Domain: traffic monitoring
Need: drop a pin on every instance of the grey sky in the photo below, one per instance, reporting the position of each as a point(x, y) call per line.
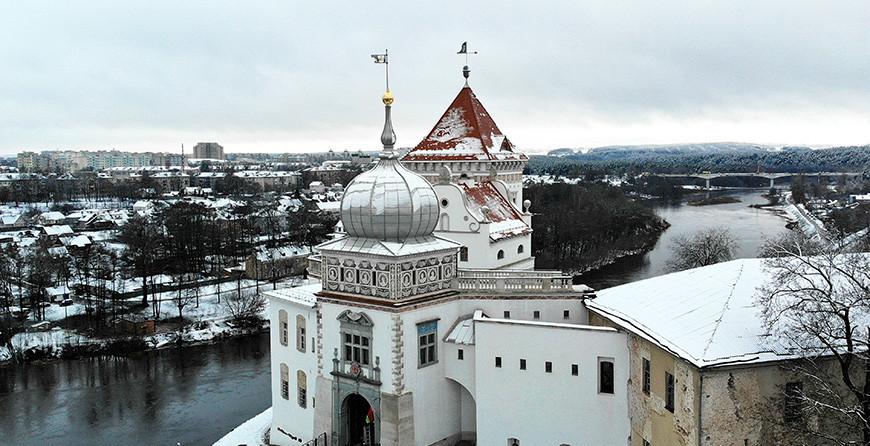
point(296, 76)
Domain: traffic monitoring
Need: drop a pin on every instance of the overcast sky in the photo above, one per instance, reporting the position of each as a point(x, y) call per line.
point(289, 75)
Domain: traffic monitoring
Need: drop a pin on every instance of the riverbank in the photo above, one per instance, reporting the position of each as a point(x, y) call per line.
point(722, 199)
point(207, 320)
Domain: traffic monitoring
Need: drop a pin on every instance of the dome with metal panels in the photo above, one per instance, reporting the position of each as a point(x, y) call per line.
point(389, 202)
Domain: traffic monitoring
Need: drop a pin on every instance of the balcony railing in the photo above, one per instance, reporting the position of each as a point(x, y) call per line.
point(512, 281)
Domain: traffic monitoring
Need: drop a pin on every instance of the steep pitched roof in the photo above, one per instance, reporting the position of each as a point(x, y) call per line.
point(465, 131)
point(505, 220)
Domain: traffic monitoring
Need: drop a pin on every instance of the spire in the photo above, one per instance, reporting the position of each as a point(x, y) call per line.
point(388, 136)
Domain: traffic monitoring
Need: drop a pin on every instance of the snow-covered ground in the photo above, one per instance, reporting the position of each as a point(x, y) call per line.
point(209, 319)
point(250, 433)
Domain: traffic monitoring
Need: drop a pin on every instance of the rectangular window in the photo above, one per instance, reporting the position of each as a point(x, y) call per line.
point(793, 401)
point(646, 376)
point(605, 375)
point(301, 339)
point(536, 314)
point(460, 354)
point(498, 361)
point(669, 392)
point(566, 314)
point(522, 364)
point(302, 397)
point(575, 369)
point(285, 389)
point(507, 314)
point(427, 343)
point(284, 332)
point(356, 348)
point(548, 367)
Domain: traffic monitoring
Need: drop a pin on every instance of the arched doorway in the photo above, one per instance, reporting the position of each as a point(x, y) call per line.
point(358, 421)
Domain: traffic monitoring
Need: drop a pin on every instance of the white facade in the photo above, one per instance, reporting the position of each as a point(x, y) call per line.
point(431, 328)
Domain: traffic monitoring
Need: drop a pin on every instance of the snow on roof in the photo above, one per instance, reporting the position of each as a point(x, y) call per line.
point(369, 246)
point(304, 294)
point(57, 290)
point(11, 219)
point(78, 241)
point(281, 252)
point(465, 132)
point(54, 215)
point(330, 206)
point(57, 230)
point(705, 315)
point(462, 332)
point(505, 220)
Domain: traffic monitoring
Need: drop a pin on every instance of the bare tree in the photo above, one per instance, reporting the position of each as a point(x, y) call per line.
point(817, 307)
point(244, 306)
point(184, 296)
point(702, 248)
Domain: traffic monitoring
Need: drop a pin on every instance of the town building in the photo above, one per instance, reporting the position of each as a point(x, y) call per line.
point(400, 343)
point(208, 150)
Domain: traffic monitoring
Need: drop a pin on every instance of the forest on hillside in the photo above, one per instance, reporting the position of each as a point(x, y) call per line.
point(579, 227)
point(839, 159)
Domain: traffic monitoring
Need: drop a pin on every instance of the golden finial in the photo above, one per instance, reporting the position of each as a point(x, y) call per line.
point(388, 98)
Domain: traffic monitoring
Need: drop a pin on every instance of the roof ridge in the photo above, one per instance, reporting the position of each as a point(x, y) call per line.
point(722, 313)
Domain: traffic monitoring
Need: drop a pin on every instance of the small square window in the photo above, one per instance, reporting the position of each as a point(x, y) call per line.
point(522, 364)
point(548, 367)
point(460, 354)
point(536, 314)
point(575, 369)
point(498, 361)
point(566, 314)
point(507, 314)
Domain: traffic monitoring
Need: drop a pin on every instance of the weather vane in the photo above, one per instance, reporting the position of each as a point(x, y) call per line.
point(384, 59)
point(465, 70)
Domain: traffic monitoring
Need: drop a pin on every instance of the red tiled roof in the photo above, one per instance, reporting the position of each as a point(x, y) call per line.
point(505, 220)
point(465, 131)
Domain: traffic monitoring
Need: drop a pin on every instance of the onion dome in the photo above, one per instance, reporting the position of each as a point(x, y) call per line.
point(389, 202)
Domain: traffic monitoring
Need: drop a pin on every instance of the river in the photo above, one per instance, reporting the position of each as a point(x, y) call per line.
point(193, 396)
point(750, 226)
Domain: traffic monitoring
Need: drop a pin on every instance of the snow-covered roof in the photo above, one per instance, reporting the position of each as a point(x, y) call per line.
point(462, 332)
point(57, 290)
point(78, 241)
point(329, 206)
point(303, 295)
point(391, 249)
point(53, 215)
point(281, 252)
point(505, 220)
point(706, 315)
point(465, 132)
point(57, 230)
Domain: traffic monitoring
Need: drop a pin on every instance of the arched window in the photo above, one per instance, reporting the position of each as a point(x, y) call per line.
point(301, 389)
point(283, 327)
point(500, 254)
point(520, 249)
point(463, 254)
point(285, 382)
point(513, 442)
point(445, 222)
point(300, 333)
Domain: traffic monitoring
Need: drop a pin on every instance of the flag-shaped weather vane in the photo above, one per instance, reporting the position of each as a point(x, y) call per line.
point(384, 59)
point(465, 70)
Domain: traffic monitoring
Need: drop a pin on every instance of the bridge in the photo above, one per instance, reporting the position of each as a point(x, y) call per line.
point(772, 176)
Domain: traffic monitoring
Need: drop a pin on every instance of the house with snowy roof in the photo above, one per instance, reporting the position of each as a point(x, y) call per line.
point(703, 368)
point(277, 262)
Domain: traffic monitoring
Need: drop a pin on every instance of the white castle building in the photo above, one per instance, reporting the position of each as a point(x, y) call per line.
point(429, 325)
